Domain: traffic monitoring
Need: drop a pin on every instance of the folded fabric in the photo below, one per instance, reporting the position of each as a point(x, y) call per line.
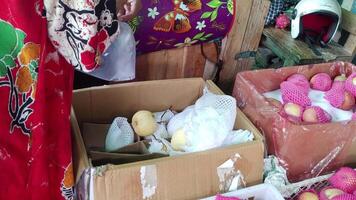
point(174, 24)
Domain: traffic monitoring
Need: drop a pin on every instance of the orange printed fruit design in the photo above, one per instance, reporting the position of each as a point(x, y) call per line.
point(68, 180)
point(33, 93)
point(24, 80)
point(30, 51)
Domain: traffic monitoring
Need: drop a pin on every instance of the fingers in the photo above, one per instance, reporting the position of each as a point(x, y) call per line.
point(120, 13)
point(132, 7)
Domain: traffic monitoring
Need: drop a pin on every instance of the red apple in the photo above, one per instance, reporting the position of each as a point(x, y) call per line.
point(349, 101)
point(315, 114)
point(300, 81)
point(329, 193)
point(345, 197)
point(293, 112)
point(350, 84)
point(308, 196)
point(310, 116)
point(340, 78)
point(321, 81)
point(293, 109)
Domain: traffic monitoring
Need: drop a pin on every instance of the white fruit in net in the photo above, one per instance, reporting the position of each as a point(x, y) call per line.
point(120, 134)
point(179, 140)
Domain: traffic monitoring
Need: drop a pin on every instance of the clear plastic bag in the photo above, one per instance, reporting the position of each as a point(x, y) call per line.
point(305, 151)
point(118, 62)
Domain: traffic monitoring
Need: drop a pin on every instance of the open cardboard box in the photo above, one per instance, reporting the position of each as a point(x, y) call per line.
point(188, 176)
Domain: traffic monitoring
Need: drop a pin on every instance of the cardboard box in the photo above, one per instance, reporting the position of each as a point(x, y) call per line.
point(305, 151)
point(188, 176)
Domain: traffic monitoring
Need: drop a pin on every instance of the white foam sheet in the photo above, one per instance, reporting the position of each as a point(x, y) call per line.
point(317, 98)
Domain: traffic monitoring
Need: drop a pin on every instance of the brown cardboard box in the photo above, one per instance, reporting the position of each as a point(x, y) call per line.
point(189, 176)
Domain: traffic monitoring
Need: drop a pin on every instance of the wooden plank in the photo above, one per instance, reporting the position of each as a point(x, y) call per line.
point(173, 63)
point(253, 32)
point(234, 42)
point(334, 51)
point(148, 66)
point(295, 51)
point(285, 47)
point(348, 21)
point(350, 44)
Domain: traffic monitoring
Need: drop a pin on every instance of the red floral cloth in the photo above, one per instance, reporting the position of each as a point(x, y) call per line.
point(35, 92)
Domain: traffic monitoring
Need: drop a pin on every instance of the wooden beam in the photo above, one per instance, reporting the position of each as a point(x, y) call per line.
point(244, 36)
point(350, 44)
point(348, 21)
point(253, 32)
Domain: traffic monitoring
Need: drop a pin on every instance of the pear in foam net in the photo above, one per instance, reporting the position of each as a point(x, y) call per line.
point(144, 123)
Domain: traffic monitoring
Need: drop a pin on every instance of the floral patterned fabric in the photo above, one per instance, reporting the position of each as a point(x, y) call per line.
point(164, 24)
point(82, 30)
point(36, 89)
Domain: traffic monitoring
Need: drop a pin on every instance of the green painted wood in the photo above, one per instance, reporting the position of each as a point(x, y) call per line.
point(294, 52)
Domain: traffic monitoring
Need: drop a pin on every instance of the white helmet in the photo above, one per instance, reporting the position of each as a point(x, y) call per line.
point(316, 18)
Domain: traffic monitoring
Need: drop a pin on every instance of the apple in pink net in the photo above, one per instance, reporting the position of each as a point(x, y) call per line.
point(315, 114)
point(321, 81)
point(344, 179)
point(339, 98)
point(350, 84)
point(293, 112)
point(308, 196)
point(340, 78)
point(329, 193)
point(300, 81)
point(349, 101)
point(345, 197)
point(220, 197)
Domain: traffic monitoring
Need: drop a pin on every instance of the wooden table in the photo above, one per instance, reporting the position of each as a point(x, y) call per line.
point(296, 52)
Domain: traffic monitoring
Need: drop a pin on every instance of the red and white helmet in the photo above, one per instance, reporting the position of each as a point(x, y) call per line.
point(316, 18)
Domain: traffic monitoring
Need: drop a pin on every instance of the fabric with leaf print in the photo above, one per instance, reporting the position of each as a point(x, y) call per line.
point(35, 92)
point(165, 24)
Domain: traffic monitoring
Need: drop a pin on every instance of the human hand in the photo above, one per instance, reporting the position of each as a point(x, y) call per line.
point(127, 9)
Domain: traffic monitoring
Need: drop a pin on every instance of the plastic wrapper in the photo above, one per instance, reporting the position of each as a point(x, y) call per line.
point(118, 62)
point(206, 124)
point(305, 151)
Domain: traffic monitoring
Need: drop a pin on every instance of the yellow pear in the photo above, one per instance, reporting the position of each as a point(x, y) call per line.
point(178, 140)
point(144, 123)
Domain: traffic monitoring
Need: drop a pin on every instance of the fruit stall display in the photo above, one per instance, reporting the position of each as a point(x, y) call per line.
point(306, 114)
point(340, 185)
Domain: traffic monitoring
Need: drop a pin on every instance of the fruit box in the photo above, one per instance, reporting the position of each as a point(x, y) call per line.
point(304, 150)
point(188, 176)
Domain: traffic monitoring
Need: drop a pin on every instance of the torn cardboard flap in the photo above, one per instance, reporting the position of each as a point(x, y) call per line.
point(230, 177)
point(148, 181)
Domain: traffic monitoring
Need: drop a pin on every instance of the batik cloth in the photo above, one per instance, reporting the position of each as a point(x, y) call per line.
point(36, 89)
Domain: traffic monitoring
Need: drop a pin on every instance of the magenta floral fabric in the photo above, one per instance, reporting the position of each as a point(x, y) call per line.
point(165, 24)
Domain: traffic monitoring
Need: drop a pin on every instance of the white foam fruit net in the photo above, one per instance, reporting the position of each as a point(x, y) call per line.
point(207, 123)
point(120, 134)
